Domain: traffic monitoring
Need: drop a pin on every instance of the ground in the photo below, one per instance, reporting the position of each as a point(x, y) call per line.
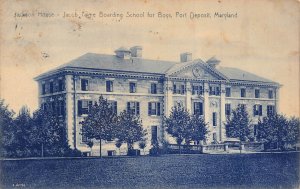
point(273, 170)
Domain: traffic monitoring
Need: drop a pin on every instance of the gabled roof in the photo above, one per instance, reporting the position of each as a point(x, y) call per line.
point(241, 75)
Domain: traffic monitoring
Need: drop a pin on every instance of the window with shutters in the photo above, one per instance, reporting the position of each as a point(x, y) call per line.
point(270, 95)
point(154, 108)
point(214, 90)
point(109, 86)
point(132, 87)
point(51, 87)
point(257, 110)
point(197, 90)
point(84, 106)
point(84, 84)
point(133, 108)
point(198, 108)
point(114, 105)
point(214, 119)
point(270, 110)
point(228, 92)
point(44, 106)
point(153, 88)
point(178, 89)
point(227, 109)
point(257, 93)
point(243, 92)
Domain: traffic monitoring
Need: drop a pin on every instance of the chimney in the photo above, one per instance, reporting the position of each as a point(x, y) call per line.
point(213, 62)
point(123, 52)
point(185, 57)
point(136, 51)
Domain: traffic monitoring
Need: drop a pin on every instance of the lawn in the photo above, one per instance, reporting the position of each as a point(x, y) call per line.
point(169, 171)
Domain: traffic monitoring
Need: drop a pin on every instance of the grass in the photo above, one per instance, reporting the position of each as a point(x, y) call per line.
point(169, 171)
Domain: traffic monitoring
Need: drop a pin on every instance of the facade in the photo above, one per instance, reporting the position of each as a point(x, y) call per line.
point(150, 88)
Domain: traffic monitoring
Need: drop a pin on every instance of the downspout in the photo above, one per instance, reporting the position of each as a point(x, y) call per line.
point(74, 110)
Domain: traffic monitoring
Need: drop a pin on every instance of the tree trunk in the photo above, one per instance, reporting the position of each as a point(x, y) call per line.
point(179, 148)
point(42, 149)
point(100, 146)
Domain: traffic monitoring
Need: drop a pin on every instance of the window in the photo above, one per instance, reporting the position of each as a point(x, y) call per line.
point(257, 93)
point(43, 88)
point(84, 139)
point(83, 106)
point(153, 134)
point(51, 86)
point(84, 84)
point(243, 92)
point(114, 105)
point(133, 107)
point(198, 108)
point(153, 88)
point(197, 90)
point(178, 89)
point(243, 106)
point(154, 108)
point(60, 85)
point(270, 94)
point(109, 86)
point(270, 110)
point(214, 119)
point(61, 108)
point(132, 87)
point(228, 92)
point(227, 109)
point(257, 110)
point(44, 106)
point(214, 90)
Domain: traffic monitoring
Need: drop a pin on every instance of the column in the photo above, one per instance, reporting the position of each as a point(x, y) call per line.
point(206, 103)
point(69, 110)
point(222, 134)
point(168, 102)
point(188, 98)
point(276, 91)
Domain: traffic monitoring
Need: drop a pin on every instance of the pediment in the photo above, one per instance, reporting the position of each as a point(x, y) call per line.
point(195, 71)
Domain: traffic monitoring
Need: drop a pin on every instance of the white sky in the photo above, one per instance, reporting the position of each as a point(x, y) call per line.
point(263, 39)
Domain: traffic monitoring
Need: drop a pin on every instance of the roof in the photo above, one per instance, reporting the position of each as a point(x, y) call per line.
point(114, 63)
point(237, 74)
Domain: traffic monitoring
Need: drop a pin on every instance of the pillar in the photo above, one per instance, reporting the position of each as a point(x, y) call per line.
point(222, 131)
point(188, 97)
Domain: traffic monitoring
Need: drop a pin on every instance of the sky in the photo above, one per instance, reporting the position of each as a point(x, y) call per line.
point(261, 37)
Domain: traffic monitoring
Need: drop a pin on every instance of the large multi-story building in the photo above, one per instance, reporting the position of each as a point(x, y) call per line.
point(150, 88)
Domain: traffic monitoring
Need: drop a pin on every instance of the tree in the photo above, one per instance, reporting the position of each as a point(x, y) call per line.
point(118, 144)
point(238, 125)
point(90, 144)
point(292, 131)
point(22, 130)
point(277, 129)
point(198, 128)
point(6, 130)
point(49, 135)
point(177, 124)
point(142, 145)
point(100, 122)
point(129, 129)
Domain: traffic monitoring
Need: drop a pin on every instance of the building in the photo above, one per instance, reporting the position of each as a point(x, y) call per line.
point(150, 88)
